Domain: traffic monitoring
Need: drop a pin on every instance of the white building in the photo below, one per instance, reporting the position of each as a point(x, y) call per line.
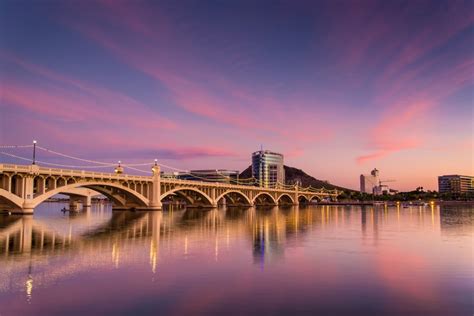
point(369, 183)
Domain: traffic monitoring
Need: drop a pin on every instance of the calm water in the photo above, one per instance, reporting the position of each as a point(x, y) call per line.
point(281, 261)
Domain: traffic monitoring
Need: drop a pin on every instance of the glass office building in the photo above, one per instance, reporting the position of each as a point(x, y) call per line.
point(267, 168)
point(456, 184)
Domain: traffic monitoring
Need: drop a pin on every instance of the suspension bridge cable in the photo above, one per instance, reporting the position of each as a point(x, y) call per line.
point(51, 163)
point(136, 169)
point(15, 146)
point(72, 157)
point(101, 162)
point(15, 156)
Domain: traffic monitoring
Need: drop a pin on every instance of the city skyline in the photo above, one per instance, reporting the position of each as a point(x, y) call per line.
point(337, 87)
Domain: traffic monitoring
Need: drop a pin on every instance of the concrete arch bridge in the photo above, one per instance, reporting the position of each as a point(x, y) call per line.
point(24, 187)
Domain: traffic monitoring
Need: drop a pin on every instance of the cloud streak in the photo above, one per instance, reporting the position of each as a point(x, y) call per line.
point(80, 101)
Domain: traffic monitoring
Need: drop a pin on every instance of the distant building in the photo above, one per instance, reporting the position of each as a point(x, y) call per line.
point(368, 183)
point(268, 168)
point(169, 175)
point(382, 189)
point(393, 192)
point(456, 184)
point(211, 175)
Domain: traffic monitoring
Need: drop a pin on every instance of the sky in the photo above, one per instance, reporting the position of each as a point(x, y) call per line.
point(338, 87)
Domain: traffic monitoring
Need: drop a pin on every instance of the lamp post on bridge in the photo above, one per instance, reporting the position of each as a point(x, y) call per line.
point(155, 168)
point(119, 168)
point(34, 152)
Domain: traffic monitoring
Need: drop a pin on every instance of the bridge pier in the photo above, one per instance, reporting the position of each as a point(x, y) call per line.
point(27, 234)
point(155, 201)
point(157, 207)
point(23, 211)
point(74, 200)
point(26, 190)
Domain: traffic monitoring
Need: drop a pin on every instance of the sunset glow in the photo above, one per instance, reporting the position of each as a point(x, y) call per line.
point(338, 87)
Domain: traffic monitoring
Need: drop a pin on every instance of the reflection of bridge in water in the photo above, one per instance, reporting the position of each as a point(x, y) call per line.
point(30, 246)
point(27, 244)
point(20, 235)
point(24, 187)
point(27, 235)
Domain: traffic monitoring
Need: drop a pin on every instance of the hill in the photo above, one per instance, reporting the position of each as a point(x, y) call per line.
point(292, 175)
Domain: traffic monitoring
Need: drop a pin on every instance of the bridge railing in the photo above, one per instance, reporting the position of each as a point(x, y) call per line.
point(10, 167)
point(308, 190)
point(82, 173)
point(219, 185)
point(69, 172)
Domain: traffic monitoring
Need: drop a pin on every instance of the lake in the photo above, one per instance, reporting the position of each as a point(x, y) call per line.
point(327, 260)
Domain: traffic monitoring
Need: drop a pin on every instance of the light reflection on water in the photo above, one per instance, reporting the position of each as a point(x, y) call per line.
point(326, 259)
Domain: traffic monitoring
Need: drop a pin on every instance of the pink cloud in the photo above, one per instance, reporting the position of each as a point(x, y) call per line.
point(38, 101)
point(407, 103)
point(428, 39)
point(188, 85)
point(111, 146)
point(396, 131)
point(87, 102)
point(403, 81)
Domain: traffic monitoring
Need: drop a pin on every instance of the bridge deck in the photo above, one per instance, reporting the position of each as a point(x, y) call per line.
point(26, 186)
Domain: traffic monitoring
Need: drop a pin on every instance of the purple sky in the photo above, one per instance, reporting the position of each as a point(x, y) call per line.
point(338, 87)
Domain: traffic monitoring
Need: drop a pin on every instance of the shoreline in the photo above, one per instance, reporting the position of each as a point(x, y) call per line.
point(395, 203)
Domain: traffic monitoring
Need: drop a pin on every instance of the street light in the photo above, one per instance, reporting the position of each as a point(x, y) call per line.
point(119, 168)
point(155, 169)
point(34, 152)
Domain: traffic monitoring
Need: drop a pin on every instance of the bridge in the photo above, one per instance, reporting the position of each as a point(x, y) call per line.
point(24, 187)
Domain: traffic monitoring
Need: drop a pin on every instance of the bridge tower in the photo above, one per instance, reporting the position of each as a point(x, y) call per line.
point(155, 201)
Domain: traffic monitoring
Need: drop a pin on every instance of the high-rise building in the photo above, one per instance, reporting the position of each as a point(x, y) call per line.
point(369, 182)
point(268, 168)
point(456, 184)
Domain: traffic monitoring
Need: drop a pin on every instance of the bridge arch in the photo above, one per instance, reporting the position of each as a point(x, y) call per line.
point(303, 199)
point(101, 187)
point(49, 183)
point(181, 194)
point(265, 194)
point(317, 198)
point(11, 198)
point(15, 182)
point(61, 181)
point(287, 197)
point(247, 199)
point(179, 190)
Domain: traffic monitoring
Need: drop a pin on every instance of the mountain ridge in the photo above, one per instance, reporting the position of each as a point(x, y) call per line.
point(292, 175)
